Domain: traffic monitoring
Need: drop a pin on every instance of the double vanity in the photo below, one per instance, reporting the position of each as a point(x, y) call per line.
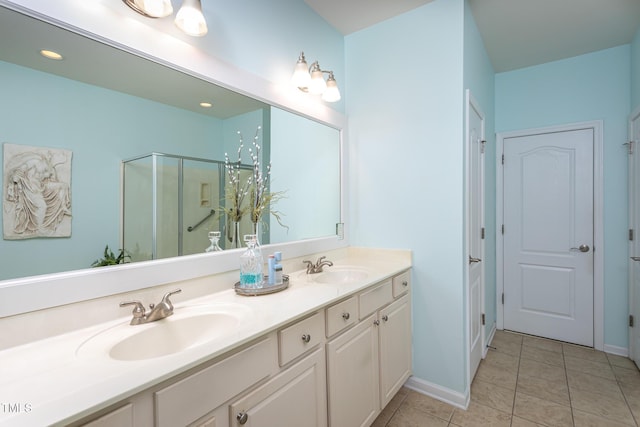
point(331, 349)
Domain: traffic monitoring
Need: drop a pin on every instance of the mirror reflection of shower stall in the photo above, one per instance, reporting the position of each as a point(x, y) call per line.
point(171, 203)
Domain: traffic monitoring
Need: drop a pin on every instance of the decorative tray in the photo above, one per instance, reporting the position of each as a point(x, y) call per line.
point(266, 289)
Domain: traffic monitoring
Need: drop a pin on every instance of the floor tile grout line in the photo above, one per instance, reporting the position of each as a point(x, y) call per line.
point(624, 396)
point(566, 378)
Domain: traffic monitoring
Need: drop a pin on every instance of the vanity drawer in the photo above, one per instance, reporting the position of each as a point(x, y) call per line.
point(300, 337)
point(401, 283)
point(374, 298)
point(341, 315)
point(187, 400)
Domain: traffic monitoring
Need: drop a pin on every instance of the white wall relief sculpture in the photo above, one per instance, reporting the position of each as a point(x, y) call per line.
point(37, 192)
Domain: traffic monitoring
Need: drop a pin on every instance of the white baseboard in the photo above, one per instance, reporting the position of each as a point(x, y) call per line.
point(438, 392)
point(618, 351)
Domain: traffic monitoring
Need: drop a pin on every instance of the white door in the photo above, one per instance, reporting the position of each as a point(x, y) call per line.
point(548, 215)
point(634, 217)
point(475, 224)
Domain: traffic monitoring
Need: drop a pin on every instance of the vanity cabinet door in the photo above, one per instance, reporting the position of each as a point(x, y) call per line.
point(352, 364)
point(295, 397)
point(122, 417)
point(395, 347)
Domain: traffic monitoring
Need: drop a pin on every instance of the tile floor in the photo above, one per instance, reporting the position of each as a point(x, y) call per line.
point(528, 381)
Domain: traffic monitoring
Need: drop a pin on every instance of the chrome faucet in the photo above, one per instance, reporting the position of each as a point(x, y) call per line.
point(317, 267)
point(163, 309)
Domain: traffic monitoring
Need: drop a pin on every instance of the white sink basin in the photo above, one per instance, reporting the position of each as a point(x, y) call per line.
point(186, 328)
point(341, 275)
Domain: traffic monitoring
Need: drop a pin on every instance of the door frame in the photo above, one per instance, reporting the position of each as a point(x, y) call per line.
point(598, 220)
point(636, 227)
point(472, 104)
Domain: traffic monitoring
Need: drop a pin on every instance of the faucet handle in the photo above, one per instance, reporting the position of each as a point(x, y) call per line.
point(320, 260)
point(165, 298)
point(138, 310)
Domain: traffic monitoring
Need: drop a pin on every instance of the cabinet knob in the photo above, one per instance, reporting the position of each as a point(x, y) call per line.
point(345, 316)
point(242, 417)
point(376, 322)
point(385, 318)
point(306, 338)
point(405, 283)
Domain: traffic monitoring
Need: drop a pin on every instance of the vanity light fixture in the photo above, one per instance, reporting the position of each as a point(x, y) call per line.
point(311, 79)
point(189, 18)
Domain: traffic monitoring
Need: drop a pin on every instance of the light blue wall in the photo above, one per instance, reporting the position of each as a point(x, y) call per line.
point(594, 86)
point(479, 78)
point(101, 127)
point(635, 71)
point(404, 101)
point(266, 37)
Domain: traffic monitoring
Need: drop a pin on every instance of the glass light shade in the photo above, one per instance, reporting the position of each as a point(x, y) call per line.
point(331, 93)
point(317, 85)
point(301, 77)
point(154, 8)
point(190, 18)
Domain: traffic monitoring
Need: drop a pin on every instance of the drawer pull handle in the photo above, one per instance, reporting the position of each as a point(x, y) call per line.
point(385, 318)
point(405, 283)
point(242, 417)
point(345, 316)
point(376, 322)
point(306, 338)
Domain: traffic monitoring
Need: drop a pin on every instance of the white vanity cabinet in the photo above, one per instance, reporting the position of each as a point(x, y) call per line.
point(337, 366)
point(367, 364)
point(295, 397)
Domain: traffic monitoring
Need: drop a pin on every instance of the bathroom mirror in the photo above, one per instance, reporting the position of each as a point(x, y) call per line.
point(106, 105)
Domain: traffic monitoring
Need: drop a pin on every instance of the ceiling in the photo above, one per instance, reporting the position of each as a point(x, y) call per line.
point(516, 33)
point(96, 63)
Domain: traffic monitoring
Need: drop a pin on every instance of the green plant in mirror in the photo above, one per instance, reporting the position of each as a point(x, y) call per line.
point(109, 258)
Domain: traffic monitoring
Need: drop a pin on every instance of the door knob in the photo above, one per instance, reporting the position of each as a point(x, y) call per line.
point(472, 259)
point(582, 248)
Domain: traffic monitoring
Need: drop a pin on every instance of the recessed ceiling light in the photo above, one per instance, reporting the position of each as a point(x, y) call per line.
point(206, 104)
point(51, 54)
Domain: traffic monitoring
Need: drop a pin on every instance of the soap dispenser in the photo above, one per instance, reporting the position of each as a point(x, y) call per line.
point(251, 264)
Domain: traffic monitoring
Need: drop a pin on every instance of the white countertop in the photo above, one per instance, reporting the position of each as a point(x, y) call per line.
point(50, 381)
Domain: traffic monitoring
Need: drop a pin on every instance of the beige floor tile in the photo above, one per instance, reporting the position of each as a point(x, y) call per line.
point(410, 416)
point(594, 368)
point(592, 383)
point(521, 422)
point(502, 360)
point(508, 336)
point(496, 375)
point(493, 396)
point(542, 411)
point(543, 343)
point(582, 352)
point(613, 408)
point(624, 375)
point(632, 396)
point(585, 419)
point(542, 355)
point(553, 390)
point(480, 415)
point(428, 405)
point(391, 408)
point(532, 368)
point(621, 361)
point(507, 347)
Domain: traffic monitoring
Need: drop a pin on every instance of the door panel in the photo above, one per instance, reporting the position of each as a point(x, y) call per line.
point(548, 215)
point(634, 204)
point(475, 221)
